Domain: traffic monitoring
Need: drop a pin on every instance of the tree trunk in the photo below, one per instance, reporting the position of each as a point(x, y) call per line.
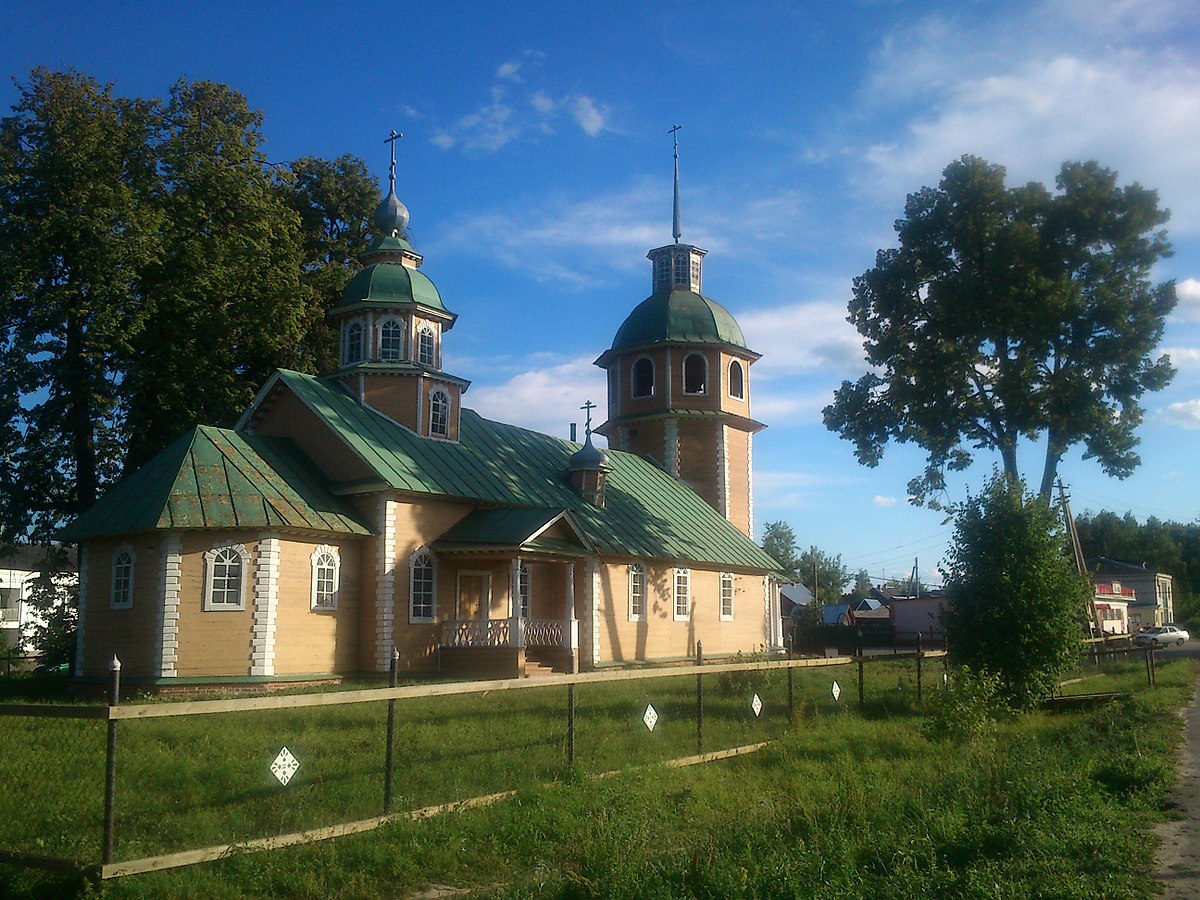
point(1054, 452)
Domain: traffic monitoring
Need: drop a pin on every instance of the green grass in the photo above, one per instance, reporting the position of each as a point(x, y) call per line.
point(840, 805)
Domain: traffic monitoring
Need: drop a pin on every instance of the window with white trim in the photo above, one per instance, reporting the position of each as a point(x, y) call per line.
point(122, 578)
point(354, 343)
point(643, 377)
point(637, 592)
point(426, 350)
point(737, 381)
point(422, 586)
point(391, 341)
point(683, 594)
point(439, 413)
point(681, 269)
point(523, 588)
point(326, 575)
point(662, 272)
point(726, 596)
point(225, 570)
point(695, 374)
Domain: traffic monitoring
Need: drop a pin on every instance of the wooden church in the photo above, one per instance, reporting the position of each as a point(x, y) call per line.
point(367, 512)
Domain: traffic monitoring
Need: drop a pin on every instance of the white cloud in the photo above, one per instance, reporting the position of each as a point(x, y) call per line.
point(803, 337)
point(1188, 292)
point(1185, 414)
point(510, 71)
point(543, 103)
point(1184, 357)
point(588, 116)
point(880, 500)
point(1034, 93)
point(546, 399)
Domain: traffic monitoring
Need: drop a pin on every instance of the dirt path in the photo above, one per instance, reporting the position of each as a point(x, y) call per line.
point(1179, 853)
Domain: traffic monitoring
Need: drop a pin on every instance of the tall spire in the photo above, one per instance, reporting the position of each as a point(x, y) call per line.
point(676, 229)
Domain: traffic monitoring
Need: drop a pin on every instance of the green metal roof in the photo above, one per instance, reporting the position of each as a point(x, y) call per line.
point(682, 316)
point(647, 513)
point(519, 528)
point(217, 478)
point(391, 284)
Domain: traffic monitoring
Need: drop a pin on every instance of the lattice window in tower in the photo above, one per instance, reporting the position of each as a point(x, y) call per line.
point(662, 272)
point(726, 596)
point(637, 592)
point(354, 343)
point(391, 341)
point(681, 269)
point(426, 351)
point(696, 275)
point(439, 414)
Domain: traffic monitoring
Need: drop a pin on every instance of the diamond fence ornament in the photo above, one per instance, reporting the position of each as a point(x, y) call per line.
point(756, 705)
point(837, 691)
point(285, 766)
point(650, 717)
point(900, 684)
point(945, 681)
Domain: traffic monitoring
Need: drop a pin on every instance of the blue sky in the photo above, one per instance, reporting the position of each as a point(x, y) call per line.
point(537, 167)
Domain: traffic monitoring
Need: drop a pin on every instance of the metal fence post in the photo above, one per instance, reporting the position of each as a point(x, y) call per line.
point(1153, 664)
point(391, 735)
point(110, 767)
point(862, 703)
point(570, 724)
point(699, 699)
point(920, 656)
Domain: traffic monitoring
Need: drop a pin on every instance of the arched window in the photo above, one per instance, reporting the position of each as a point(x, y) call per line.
point(422, 587)
point(637, 592)
point(695, 374)
point(354, 343)
point(425, 346)
point(681, 269)
point(737, 381)
point(439, 413)
point(122, 579)
point(643, 377)
point(523, 588)
point(391, 341)
point(224, 577)
point(326, 572)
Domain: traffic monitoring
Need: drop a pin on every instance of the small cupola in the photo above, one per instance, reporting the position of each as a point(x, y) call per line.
point(589, 466)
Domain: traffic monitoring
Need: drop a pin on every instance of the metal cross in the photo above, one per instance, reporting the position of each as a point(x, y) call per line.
point(588, 407)
point(395, 136)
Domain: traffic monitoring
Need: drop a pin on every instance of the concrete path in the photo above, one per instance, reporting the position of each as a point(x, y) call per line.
point(1179, 853)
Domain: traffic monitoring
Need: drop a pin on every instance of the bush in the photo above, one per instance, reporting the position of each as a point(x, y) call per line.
point(743, 683)
point(967, 710)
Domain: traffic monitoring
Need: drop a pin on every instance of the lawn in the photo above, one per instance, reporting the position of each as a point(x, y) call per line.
point(838, 805)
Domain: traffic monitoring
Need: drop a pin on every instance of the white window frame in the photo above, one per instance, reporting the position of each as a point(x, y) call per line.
point(426, 337)
point(122, 584)
point(741, 394)
point(704, 377)
point(439, 397)
point(682, 595)
point(427, 554)
point(210, 564)
point(726, 596)
point(335, 563)
point(637, 592)
point(633, 378)
point(392, 329)
point(680, 269)
point(354, 347)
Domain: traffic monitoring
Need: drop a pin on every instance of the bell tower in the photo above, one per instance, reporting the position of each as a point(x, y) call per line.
point(679, 382)
point(390, 325)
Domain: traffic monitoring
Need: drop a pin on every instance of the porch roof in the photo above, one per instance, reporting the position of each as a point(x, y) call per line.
point(515, 530)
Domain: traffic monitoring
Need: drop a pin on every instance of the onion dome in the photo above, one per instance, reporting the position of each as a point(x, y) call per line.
point(678, 316)
point(391, 216)
point(588, 457)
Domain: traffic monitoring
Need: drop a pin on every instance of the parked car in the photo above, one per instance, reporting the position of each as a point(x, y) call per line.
point(1162, 634)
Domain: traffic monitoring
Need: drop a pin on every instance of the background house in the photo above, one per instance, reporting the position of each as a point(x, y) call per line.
point(1152, 601)
point(19, 566)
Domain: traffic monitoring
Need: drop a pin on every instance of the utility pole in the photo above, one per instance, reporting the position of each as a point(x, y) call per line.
point(1064, 501)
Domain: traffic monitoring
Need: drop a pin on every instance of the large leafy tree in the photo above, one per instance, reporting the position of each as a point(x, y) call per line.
point(822, 573)
point(1008, 314)
point(156, 267)
point(79, 225)
point(1016, 600)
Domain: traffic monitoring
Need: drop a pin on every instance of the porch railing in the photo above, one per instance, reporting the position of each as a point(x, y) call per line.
point(502, 633)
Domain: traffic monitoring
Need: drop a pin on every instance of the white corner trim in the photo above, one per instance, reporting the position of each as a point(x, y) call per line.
point(168, 607)
point(385, 586)
point(723, 470)
point(750, 485)
point(266, 607)
point(594, 606)
point(81, 620)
